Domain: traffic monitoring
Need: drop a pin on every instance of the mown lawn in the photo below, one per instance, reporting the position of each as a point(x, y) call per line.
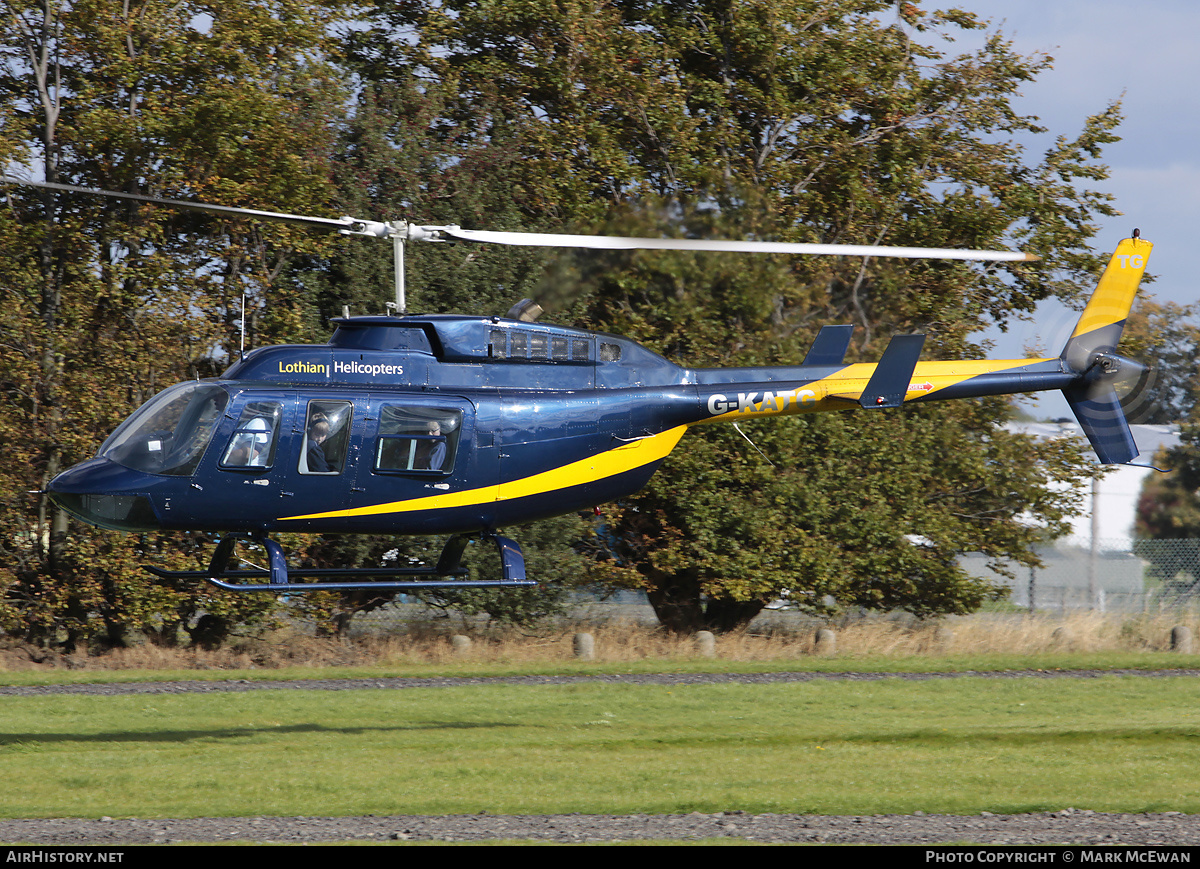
point(960, 745)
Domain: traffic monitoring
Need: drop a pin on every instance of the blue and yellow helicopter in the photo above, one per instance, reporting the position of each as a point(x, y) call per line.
point(463, 425)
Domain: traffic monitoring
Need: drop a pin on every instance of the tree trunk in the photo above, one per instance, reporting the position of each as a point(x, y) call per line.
point(682, 608)
point(723, 615)
point(676, 601)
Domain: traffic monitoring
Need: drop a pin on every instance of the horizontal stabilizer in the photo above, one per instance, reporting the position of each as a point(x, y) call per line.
point(1098, 410)
point(893, 373)
point(830, 346)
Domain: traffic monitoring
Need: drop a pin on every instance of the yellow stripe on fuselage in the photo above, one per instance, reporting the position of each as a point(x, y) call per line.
point(847, 385)
point(610, 463)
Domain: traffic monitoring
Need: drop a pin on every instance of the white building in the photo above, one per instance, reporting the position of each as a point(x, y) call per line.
point(1094, 566)
point(1110, 503)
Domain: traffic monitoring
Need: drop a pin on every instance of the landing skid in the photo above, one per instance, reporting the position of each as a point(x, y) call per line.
point(280, 579)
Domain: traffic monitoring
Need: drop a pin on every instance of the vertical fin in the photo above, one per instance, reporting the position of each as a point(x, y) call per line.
point(830, 346)
point(1091, 352)
point(1103, 320)
point(1099, 413)
point(893, 373)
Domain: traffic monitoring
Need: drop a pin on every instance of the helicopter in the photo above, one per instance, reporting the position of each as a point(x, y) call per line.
point(463, 425)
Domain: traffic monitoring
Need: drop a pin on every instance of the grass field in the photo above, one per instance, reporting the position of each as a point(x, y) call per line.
point(962, 745)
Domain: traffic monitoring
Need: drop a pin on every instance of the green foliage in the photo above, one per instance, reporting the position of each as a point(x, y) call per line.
point(870, 514)
point(806, 120)
point(1167, 527)
point(100, 593)
point(105, 304)
point(1167, 524)
point(554, 556)
point(1169, 507)
point(1165, 337)
point(797, 121)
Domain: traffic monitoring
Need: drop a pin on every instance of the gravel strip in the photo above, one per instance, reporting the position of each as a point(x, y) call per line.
point(199, 686)
point(1068, 827)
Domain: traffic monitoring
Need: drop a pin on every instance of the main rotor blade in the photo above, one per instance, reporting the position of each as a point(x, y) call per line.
point(606, 242)
point(344, 224)
point(412, 232)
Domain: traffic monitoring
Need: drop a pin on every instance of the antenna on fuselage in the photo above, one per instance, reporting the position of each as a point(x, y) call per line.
point(753, 444)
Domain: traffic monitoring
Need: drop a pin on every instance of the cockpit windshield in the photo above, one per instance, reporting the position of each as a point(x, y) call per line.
point(169, 433)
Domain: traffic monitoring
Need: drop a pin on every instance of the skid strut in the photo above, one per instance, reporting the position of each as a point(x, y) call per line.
point(280, 579)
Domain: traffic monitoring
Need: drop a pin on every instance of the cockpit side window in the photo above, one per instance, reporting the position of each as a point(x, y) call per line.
point(256, 436)
point(326, 437)
point(169, 433)
point(417, 439)
point(610, 352)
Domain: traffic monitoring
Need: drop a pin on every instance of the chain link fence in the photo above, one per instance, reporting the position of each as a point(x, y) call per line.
point(1118, 576)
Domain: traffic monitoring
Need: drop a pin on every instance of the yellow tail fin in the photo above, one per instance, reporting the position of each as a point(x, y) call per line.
point(1099, 328)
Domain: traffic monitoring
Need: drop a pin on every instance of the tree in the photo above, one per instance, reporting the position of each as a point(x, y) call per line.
point(1167, 527)
point(403, 155)
point(810, 121)
point(104, 303)
point(798, 121)
point(1165, 338)
point(870, 513)
point(554, 554)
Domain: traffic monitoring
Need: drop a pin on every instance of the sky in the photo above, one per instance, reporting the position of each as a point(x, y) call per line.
point(1145, 55)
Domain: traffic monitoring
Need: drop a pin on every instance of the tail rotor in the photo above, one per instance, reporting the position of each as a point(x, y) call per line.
point(1109, 386)
point(1137, 391)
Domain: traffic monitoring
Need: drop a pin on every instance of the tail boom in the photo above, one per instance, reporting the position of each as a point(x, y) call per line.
point(1086, 371)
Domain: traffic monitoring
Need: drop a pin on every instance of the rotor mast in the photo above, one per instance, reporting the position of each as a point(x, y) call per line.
point(400, 232)
point(398, 265)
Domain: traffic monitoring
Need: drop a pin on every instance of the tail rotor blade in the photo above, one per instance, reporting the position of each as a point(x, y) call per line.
point(1136, 389)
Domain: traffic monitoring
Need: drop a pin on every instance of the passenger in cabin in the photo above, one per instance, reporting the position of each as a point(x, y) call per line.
point(261, 442)
point(251, 445)
point(437, 454)
point(318, 433)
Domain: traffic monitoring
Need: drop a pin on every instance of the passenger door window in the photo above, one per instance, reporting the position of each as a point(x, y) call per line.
point(256, 436)
point(417, 439)
point(326, 437)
